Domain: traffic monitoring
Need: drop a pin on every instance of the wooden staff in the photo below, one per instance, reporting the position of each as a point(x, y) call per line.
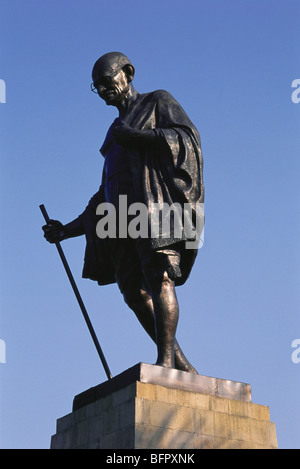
point(79, 299)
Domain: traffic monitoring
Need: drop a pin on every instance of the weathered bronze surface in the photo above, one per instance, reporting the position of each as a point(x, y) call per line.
point(152, 156)
point(169, 378)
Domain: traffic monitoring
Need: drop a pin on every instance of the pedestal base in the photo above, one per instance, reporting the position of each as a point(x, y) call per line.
point(153, 407)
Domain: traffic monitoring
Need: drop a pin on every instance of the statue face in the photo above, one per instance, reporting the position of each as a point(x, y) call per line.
point(113, 88)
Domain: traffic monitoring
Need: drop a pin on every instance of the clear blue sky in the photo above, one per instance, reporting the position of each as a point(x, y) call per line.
point(230, 64)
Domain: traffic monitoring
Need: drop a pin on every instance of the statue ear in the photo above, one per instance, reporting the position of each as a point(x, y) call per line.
point(129, 70)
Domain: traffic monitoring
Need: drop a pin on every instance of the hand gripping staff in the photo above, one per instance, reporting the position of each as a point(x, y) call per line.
point(79, 299)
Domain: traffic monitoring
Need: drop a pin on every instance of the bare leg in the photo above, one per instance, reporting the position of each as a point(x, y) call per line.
point(142, 306)
point(166, 313)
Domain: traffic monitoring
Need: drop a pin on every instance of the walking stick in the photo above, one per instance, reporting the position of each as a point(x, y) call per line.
point(79, 299)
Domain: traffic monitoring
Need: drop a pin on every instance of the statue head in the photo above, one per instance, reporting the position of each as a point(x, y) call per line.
point(110, 63)
point(112, 73)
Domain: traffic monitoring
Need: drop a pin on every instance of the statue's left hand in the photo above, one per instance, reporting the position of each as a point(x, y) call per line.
point(123, 133)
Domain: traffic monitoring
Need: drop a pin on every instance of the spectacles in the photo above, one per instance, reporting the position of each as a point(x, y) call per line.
point(94, 89)
point(95, 86)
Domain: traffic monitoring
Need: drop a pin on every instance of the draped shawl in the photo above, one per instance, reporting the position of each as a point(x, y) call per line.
point(170, 171)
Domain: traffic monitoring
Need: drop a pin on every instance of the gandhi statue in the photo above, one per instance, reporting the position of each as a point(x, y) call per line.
point(152, 154)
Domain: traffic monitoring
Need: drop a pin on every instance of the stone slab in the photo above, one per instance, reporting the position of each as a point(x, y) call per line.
point(151, 416)
point(167, 377)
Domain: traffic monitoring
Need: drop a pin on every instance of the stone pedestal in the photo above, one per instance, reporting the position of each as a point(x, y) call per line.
point(151, 407)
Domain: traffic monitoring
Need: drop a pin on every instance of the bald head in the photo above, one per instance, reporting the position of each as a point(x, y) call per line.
point(110, 63)
point(112, 75)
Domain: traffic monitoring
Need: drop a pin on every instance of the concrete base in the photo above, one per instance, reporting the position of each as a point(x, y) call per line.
point(158, 408)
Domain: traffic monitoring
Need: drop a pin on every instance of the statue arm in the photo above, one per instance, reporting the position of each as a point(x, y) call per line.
point(73, 229)
point(170, 118)
point(126, 135)
point(55, 231)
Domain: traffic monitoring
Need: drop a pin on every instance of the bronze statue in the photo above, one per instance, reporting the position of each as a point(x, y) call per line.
point(152, 156)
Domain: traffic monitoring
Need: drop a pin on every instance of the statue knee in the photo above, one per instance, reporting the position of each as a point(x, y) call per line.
point(135, 298)
point(156, 276)
point(161, 270)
